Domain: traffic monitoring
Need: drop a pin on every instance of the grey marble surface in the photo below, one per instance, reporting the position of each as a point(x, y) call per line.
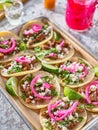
point(9, 119)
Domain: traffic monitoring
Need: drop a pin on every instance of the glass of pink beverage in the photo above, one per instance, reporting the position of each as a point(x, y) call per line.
point(79, 13)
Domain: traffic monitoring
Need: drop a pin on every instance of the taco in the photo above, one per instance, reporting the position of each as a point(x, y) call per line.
point(21, 65)
point(90, 93)
point(63, 115)
point(76, 72)
point(54, 52)
point(38, 89)
point(10, 45)
point(35, 33)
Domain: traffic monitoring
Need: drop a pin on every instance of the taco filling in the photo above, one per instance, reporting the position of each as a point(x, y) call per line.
point(53, 50)
point(20, 64)
point(74, 72)
point(37, 33)
point(90, 93)
point(64, 114)
point(10, 47)
point(37, 89)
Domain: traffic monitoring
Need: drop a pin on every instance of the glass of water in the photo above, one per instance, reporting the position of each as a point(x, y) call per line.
point(14, 12)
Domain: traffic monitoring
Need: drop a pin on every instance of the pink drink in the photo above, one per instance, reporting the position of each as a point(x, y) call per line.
point(79, 13)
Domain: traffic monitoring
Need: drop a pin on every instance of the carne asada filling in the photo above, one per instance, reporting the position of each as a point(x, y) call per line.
point(73, 72)
point(41, 90)
point(68, 123)
point(5, 45)
point(17, 65)
point(53, 50)
point(31, 36)
point(90, 93)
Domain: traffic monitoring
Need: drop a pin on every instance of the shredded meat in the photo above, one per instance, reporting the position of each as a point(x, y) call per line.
point(40, 37)
point(55, 56)
point(7, 65)
point(38, 99)
point(45, 47)
point(25, 68)
point(27, 100)
point(93, 96)
point(44, 114)
point(1, 55)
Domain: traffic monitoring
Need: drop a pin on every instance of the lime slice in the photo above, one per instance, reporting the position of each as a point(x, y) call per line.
point(72, 94)
point(11, 86)
point(56, 36)
point(50, 68)
point(96, 71)
point(8, 3)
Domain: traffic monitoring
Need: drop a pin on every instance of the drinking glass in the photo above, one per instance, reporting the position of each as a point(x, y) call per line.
point(79, 14)
point(14, 12)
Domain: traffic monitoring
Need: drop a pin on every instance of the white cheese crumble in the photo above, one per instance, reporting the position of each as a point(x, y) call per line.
point(65, 99)
point(31, 97)
point(33, 101)
point(93, 87)
point(39, 80)
point(70, 117)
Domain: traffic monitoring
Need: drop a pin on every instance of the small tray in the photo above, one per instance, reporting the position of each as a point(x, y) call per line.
point(2, 14)
point(32, 116)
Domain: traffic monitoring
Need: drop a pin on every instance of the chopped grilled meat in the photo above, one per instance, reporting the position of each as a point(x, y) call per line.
point(1, 55)
point(25, 68)
point(40, 37)
point(44, 114)
point(38, 99)
point(45, 47)
point(55, 56)
point(93, 96)
point(7, 65)
point(28, 100)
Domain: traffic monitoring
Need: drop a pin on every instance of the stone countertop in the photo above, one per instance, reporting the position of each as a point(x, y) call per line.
point(9, 118)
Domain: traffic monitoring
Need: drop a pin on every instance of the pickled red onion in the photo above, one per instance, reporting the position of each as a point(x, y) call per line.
point(9, 49)
point(73, 108)
point(50, 107)
point(71, 69)
point(87, 92)
point(51, 54)
point(34, 92)
point(36, 28)
point(61, 114)
point(28, 32)
point(5, 42)
point(61, 44)
point(84, 71)
point(46, 85)
point(22, 59)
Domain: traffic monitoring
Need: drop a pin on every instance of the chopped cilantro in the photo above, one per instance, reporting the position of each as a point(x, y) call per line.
point(54, 93)
point(48, 125)
point(22, 46)
point(3, 46)
point(29, 78)
point(90, 106)
point(23, 96)
point(80, 118)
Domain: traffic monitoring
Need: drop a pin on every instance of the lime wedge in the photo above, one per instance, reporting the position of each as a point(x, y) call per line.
point(96, 71)
point(56, 36)
point(11, 86)
point(8, 3)
point(50, 68)
point(71, 94)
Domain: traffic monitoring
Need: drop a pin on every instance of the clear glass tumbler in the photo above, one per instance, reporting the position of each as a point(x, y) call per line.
point(14, 12)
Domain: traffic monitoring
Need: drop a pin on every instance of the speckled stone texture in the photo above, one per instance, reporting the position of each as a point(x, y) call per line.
point(9, 119)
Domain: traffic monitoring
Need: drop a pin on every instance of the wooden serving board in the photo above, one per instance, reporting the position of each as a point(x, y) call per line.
point(2, 14)
point(32, 116)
